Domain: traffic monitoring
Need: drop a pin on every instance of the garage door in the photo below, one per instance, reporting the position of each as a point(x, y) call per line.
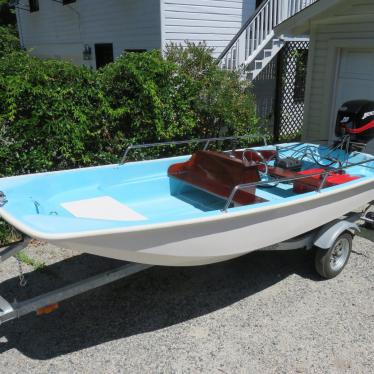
point(355, 77)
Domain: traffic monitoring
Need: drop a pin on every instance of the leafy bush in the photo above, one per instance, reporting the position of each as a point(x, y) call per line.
point(48, 115)
point(7, 15)
point(56, 115)
point(9, 41)
point(221, 100)
point(148, 100)
point(184, 95)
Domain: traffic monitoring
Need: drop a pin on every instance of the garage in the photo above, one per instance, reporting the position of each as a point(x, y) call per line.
point(355, 79)
point(341, 60)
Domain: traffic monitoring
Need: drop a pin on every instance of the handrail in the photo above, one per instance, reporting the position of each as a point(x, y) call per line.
point(207, 142)
point(241, 30)
point(325, 174)
point(257, 31)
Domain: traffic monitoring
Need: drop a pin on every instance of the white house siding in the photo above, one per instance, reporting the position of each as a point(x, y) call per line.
point(62, 31)
point(355, 30)
point(214, 22)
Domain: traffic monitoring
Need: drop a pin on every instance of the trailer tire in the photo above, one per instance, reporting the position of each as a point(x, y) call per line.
point(330, 262)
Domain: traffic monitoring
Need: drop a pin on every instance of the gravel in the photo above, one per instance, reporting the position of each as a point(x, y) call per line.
point(262, 313)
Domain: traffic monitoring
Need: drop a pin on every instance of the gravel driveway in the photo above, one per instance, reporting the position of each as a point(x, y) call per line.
point(262, 313)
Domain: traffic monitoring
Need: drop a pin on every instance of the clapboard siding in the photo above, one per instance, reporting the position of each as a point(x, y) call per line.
point(62, 31)
point(321, 81)
point(214, 22)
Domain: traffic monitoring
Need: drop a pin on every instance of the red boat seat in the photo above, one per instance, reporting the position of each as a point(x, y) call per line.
point(312, 183)
point(218, 173)
point(333, 179)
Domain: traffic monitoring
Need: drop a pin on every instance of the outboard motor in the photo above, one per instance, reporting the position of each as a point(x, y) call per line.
point(356, 118)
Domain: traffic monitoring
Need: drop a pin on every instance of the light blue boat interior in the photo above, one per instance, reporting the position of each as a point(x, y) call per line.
point(36, 200)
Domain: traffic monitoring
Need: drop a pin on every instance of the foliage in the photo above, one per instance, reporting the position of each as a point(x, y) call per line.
point(27, 260)
point(9, 41)
point(222, 101)
point(7, 234)
point(48, 115)
point(7, 15)
point(148, 100)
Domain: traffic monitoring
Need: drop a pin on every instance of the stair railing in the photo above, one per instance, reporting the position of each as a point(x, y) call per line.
point(258, 31)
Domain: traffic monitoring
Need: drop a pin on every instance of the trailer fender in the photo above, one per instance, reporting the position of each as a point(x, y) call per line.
point(328, 234)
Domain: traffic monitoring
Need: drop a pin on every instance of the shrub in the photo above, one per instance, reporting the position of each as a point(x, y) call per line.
point(7, 15)
point(50, 113)
point(148, 100)
point(9, 41)
point(55, 115)
point(221, 100)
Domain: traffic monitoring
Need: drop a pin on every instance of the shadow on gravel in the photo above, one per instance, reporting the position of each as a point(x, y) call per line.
point(367, 234)
point(151, 300)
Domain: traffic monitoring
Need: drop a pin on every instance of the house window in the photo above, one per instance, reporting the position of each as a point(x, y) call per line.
point(301, 56)
point(65, 2)
point(33, 5)
point(104, 54)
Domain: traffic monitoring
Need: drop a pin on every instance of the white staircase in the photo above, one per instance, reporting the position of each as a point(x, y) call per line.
point(254, 46)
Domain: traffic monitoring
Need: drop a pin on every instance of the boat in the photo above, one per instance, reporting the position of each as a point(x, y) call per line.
point(196, 209)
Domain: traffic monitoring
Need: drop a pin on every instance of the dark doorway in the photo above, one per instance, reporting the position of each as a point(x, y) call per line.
point(104, 54)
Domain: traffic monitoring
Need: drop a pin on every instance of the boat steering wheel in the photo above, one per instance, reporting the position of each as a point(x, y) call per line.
point(257, 162)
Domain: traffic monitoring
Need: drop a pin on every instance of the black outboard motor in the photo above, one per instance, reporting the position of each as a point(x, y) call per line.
point(356, 118)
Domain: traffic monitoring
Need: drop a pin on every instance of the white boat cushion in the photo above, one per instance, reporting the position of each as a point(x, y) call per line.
point(103, 207)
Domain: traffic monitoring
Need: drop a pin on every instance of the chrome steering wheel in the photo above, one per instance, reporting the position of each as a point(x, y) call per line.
point(259, 155)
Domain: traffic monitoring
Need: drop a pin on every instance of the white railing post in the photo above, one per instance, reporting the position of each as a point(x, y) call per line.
point(242, 48)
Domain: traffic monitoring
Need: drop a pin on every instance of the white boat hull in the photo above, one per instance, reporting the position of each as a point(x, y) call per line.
point(206, 241)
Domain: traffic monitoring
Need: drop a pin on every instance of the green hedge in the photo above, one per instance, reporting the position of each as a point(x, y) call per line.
point(55, 115)
point(9, 41)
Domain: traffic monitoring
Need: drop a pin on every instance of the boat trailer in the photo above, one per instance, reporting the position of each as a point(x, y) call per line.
point(323, 239)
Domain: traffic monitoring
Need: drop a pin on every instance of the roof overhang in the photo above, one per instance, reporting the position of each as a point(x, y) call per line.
point(300, 23)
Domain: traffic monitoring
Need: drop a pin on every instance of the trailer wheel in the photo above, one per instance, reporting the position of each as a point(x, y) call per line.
point(330, 263)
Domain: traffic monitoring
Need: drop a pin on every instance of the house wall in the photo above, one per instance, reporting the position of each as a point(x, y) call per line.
point(62, 31)
point(349, 26)
point(212, 21)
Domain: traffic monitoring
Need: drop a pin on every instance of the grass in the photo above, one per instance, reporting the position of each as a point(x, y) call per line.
point(26, 259)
